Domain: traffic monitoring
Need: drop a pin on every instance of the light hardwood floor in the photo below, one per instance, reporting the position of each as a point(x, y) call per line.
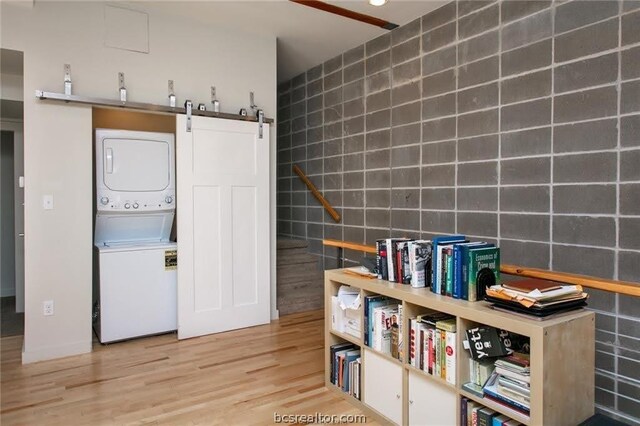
point(234, 378)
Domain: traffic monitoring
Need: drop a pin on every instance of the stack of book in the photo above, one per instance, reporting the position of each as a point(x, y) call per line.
point(509, 384)
point(476, 414)
point(479, 373)
point(448, 265)
point(346, 367)
point(383, 319)
point(536, 297)
point(432, 345)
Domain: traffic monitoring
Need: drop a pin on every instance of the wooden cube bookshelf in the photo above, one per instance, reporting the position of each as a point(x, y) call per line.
point(562, 359)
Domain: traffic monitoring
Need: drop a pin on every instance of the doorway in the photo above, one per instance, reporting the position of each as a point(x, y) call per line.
point(11, 194)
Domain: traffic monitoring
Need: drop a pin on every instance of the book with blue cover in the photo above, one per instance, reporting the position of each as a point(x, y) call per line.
point(371, 302)
point(349, 356)
point(461, 267)
point(436, 267)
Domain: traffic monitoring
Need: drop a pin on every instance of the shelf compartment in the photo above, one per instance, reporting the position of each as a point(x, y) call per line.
point(393, 302)
point(500, 408)
point(347, 337)
point(334, 287)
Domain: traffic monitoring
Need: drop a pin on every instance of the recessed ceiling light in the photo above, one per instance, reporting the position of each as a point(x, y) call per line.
point(377, 2)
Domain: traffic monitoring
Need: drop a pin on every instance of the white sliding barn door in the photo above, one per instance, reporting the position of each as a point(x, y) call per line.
point(222, 178)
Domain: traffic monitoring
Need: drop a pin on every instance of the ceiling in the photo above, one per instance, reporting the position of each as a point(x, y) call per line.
point(306, 36)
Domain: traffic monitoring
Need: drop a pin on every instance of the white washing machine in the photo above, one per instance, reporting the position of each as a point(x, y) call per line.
point(137, 290)
point(135, 285)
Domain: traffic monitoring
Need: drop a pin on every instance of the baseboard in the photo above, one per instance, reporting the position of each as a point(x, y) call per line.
point(55, 352)
point(275, 314)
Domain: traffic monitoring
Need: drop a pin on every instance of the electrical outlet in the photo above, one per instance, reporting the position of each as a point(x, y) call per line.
point(47, 202)
point(47, 307)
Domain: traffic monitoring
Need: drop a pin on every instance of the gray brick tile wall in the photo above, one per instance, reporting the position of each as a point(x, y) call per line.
point(516, 121)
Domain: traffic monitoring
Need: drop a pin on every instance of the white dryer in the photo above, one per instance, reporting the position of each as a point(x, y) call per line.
point(135, 290)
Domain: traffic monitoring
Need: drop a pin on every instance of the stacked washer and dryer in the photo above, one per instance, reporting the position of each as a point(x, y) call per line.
point(135, 287)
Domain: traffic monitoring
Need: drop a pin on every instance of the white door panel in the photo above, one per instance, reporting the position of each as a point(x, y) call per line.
point(430, 403)
point(383, 386)
point(223, 226)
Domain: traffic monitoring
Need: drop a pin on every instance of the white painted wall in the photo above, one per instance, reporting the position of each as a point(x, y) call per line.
point(57, 137)
point(11, 87)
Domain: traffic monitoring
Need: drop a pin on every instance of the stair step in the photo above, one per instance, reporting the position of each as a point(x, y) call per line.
point(297, 259)
point(299, 276)
point(285, 244)
point(299, 288)
point(291, 252)
point(291, 306)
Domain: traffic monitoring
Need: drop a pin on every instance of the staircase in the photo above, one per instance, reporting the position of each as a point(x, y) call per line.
point(300, 278)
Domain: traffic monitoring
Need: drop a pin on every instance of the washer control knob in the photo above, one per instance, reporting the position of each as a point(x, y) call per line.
point(127, 205)
point(104, 201)
point(168, 199)
point(136, 205)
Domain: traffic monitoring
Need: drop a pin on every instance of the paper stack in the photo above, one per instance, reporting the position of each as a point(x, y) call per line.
point(537, 297)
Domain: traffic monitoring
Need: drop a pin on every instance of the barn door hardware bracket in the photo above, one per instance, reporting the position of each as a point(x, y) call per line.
point(172, 96)
point(188, 107)
point(214, 101)
point(123, 89)
point(67, 79)
point(258, 113)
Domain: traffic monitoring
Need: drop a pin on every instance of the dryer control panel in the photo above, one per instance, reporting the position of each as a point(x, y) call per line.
point(110, 201)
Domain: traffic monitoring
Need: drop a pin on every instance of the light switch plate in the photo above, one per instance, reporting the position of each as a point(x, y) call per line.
point(47, 202)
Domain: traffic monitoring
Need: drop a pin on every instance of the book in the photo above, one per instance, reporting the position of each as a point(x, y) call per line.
point(463, 411)
point(457, 291)
point(403, 261)
point(474, 415)
point(371, 302)
point(510, 374)
point(471, 405)
point(413, 325)
point(517, 385)
point(449, 270)
point(473, 389)
point(392, 258)
point(400, 333)
point(333, 350)
point(348, 359)
point(485, 416)
point(381, 259)
point(530, 284)
point(480, 370)
point(420, 263)
point(395, 342)
point(484, 271)
point(488, 342)
point(491, 391)
point(464, 267)
point(435, 264)
point(510, 393)
point(498, 420)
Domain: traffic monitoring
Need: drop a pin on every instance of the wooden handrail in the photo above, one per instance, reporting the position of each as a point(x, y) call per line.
point(614, 286)
point(332, 212)
point(350, 246)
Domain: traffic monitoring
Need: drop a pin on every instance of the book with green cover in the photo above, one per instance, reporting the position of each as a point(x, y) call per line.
point(484, 271)
point(449, 274)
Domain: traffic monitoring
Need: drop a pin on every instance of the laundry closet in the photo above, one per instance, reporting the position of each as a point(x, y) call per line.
point(181, 225)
